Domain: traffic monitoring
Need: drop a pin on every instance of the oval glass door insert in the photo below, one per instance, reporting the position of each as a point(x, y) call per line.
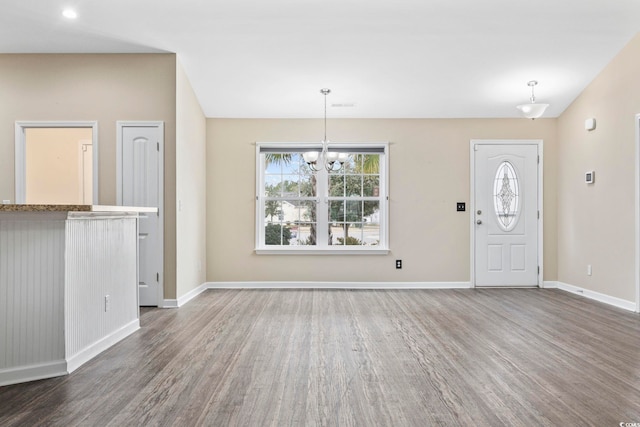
point(506, 196)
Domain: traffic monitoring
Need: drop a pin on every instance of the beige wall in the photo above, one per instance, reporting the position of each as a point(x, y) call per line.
point(53, 160)
point(429, 173)
point(596, 222)
point(190, 187)
point(102, 87)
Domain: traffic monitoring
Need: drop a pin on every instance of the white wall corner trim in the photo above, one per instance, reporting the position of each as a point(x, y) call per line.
point(88, 353)
point(338, 285)
point(597, 296)
point(39, 371)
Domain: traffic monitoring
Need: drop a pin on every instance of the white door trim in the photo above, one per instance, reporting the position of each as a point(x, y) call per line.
point(21, 159)
point(637, 168)
point(159, 124)
point(472, 208)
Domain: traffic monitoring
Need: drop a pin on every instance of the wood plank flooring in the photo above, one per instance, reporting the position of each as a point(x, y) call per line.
point(513, 357)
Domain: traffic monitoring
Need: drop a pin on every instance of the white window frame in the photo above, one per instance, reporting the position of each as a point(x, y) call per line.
point(381, 249)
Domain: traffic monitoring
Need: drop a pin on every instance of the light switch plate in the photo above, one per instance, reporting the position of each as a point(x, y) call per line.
point(589, 177)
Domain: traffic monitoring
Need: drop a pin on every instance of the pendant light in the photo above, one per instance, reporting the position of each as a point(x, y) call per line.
point(532, 111)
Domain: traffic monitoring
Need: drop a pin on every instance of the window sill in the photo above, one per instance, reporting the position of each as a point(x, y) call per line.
point(318, 251)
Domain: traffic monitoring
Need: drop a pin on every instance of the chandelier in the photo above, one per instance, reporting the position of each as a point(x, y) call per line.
point(532, 110)
point(316, 160)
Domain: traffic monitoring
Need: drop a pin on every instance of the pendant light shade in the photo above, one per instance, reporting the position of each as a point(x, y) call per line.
point(532, 110)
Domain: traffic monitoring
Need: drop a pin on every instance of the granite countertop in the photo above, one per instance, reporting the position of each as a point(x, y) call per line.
point(45, 208)
point(73, 208)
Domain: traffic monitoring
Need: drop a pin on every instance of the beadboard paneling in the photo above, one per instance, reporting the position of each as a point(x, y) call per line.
point(100, 262)
point(31, 290)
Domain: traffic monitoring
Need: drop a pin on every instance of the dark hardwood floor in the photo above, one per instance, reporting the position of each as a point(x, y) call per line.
point(514, 357)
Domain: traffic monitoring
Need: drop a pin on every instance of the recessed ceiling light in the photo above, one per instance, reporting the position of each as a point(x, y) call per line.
point(69, 14)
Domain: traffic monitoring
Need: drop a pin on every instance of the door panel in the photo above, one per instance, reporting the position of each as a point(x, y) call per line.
point(141, 187)
point(506, 214)
point(518, 257)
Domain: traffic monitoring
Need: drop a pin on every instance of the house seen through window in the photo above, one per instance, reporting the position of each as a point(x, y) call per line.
point(341, 209)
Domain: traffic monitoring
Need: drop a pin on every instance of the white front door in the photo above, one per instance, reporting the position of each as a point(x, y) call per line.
point(505, 217)
point(141, 185)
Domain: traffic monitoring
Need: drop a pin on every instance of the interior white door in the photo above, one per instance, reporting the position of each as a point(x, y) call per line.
point(141, 185)
point(506, 214)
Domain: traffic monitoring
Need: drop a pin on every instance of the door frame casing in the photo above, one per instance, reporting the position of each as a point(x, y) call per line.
point(120, 124)
point(472, 200)
point(21, 153)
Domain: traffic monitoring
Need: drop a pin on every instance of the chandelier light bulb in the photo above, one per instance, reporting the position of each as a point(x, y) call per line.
point(310, 156)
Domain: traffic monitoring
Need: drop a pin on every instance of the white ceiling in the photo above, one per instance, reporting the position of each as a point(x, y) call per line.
point(394, 59)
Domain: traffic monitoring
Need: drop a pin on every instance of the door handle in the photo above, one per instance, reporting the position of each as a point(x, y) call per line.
point(479, 222)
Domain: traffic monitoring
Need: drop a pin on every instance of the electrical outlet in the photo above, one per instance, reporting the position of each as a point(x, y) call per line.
point(460, 206)
point(589, 271)
point(6, 202)
point(398, 263)
point(107, 303)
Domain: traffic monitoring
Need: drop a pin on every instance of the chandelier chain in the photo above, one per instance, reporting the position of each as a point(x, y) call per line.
point(325, 117)
point(325, 92)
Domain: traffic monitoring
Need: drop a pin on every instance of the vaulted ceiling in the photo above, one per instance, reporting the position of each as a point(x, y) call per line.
point(394, 59)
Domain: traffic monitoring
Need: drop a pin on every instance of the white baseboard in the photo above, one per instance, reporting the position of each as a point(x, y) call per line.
point(83, 356)
point(338, 285)
point(177, 303)
point(40, 371)
point(169, 303)
point(192, 294)
point(596, 296)
point(58, 368)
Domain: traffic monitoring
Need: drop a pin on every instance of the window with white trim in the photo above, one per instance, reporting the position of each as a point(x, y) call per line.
point(343, 210)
